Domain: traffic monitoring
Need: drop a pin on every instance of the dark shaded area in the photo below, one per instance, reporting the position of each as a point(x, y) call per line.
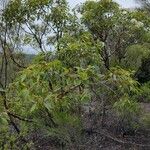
point(143, 74)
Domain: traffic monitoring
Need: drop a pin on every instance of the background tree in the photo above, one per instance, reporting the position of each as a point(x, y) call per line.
point(145, 4)
point(115, 27)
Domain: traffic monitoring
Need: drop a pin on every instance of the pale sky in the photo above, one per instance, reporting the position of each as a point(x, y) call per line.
point(123, 3)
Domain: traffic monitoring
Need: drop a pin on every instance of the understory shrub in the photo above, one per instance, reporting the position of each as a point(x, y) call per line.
point(128, 112)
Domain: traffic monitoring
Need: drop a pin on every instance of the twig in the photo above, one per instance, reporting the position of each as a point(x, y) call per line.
point(19, 118)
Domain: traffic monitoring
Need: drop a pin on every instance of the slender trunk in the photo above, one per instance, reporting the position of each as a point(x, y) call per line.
point(107, 63)
point(105, 56)
point(106, 59)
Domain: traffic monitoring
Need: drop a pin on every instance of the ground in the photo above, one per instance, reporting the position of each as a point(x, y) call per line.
point(96, 138)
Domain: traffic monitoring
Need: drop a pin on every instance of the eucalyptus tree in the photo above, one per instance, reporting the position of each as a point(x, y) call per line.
point(33, 23)
point(41, 23)
point(117, 28)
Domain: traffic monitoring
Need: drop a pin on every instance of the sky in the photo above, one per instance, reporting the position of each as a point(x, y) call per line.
point(123, 3)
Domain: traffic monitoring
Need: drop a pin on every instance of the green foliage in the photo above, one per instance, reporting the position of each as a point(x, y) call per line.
point(128, 111)
point(96, 14)
point(126, 107)
point(117, 28)
point(134, 56)
point(144, 93)
point(52, 90)
point(80, 51)
point(122, 80)
point(86, 56)
point(69, 128)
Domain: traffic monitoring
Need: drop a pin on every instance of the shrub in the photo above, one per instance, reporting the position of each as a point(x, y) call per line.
point(127, 111)
point(144, 93)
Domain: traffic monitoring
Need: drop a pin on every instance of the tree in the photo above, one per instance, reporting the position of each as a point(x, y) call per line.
point(113, 26)
point(41, 23)
point(145, 4)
